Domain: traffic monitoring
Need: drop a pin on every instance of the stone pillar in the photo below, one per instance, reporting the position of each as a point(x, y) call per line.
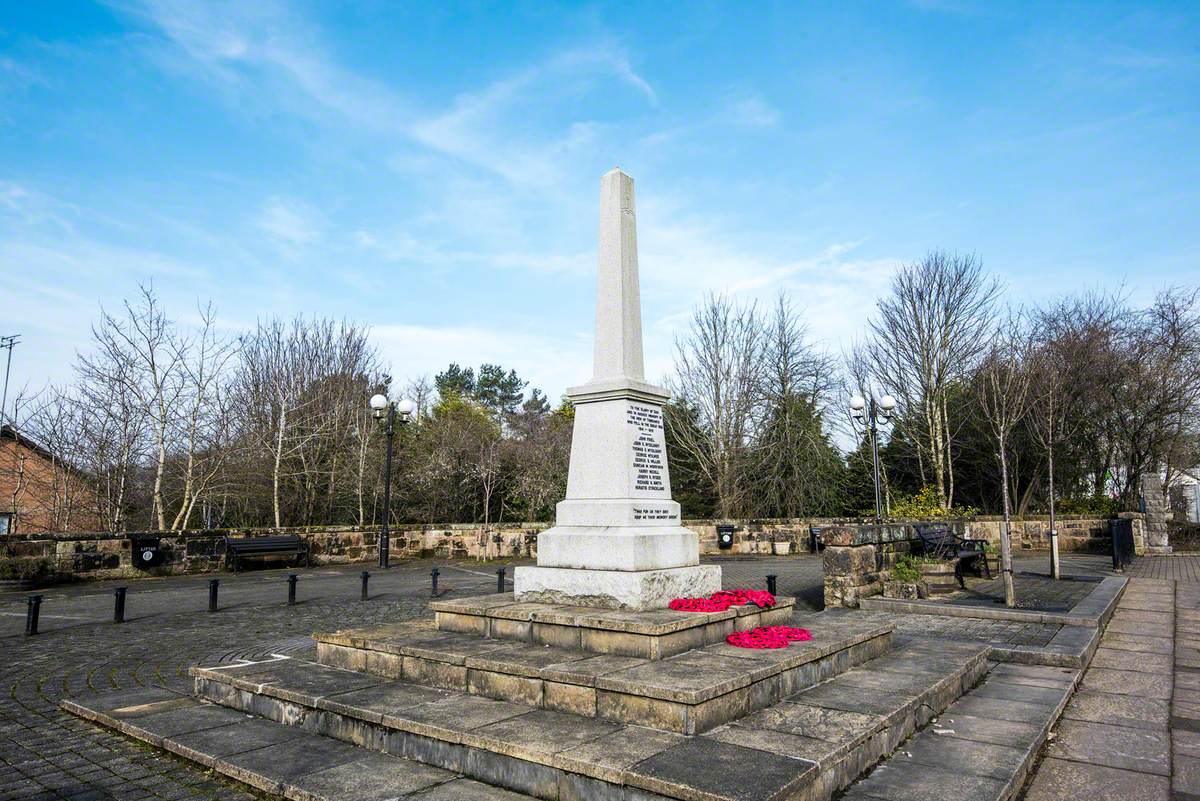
point(617, 540)
point(1157, 514)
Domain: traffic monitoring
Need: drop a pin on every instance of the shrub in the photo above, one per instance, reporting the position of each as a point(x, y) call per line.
point(1090, 505)
point(905, 571)
point(26, 569)
point(924, 505)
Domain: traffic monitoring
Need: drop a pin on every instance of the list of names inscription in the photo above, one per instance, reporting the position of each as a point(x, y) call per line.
point(649, 448)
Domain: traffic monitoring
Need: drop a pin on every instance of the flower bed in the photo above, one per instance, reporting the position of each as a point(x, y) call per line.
point(722, 600)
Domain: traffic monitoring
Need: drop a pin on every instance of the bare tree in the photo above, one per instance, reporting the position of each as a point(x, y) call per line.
point(796, 465)
point(141, 351)
point(927, 336)
point(718, 368)
point(203, 420)
point(1004, 382)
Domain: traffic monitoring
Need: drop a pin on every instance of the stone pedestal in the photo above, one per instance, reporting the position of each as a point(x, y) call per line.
point(617, 542)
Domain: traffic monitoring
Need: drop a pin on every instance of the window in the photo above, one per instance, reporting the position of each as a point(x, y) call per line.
point(5, 523)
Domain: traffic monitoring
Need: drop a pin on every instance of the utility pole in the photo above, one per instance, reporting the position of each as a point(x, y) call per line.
point(7, 342)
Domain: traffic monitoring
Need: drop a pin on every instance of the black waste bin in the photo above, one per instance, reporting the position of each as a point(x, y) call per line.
point(147, 552)
point(1122, 542)
point(725, 537)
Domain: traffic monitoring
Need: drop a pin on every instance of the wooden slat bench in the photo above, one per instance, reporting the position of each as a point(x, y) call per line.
point(238, 549)
point(939, 541)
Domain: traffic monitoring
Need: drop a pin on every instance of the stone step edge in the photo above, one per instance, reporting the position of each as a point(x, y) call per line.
point(1093, 611)
point(428, 743)
point(625, 702)
point(1015, 783)
point(863, 753)
point(255, 779)
point(390, 663)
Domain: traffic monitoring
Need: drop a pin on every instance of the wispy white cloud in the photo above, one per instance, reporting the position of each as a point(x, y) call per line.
point(289, 223)
point(253, 47)
point(753, 112)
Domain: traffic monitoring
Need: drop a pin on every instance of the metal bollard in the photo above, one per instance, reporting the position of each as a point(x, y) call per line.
point(366, 576)
point(292, 579)
point(433, 574)
point(500, 579)
point(212, 594)
point(119, 605)
point(771, 584)
point(31, 614)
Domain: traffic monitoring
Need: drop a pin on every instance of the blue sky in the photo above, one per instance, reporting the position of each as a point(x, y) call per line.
point(432, 169)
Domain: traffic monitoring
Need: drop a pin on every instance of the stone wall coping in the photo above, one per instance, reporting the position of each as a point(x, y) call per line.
point(527, 526)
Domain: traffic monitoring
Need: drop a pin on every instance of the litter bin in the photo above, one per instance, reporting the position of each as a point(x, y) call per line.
point(147, 552)
point(725, 537)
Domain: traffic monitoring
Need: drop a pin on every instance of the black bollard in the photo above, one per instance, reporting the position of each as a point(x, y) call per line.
point(366, 576)
point(771, 584)
point(31, 614)
point(292, 579)
point(119, 605)
point(212, 594)
point(500, 579)
point(433, 574)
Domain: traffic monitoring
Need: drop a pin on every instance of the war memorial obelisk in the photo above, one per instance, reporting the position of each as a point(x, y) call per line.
point(617, 542)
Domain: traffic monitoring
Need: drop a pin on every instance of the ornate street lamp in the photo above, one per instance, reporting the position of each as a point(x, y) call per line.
point(874, 413)
point(404, 409)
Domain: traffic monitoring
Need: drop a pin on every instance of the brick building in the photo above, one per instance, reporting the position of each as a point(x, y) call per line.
point(39, 493)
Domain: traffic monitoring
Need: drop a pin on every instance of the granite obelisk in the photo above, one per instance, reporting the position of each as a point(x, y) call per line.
point(617, 542)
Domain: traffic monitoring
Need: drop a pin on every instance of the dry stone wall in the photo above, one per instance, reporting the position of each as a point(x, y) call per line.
point(200, 551)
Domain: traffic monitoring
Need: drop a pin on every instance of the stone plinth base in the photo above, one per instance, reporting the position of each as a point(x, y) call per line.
point(615, 589)
point(652, 635)
point(618, 548)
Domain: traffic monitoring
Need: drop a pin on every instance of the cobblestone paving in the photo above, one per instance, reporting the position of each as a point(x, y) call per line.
point(46, 754)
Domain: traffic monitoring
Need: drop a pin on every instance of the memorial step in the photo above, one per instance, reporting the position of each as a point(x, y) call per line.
point(688, 693)
point(654, 634)
point(273, 757)
point(981, 747)
point(806, 747)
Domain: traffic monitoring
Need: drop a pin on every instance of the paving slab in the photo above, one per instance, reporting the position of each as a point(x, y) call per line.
point(271, 768)
point(994, 761)
point(1137, 642)
point(1128, 682)
point(703, 769)
point(208, 746)
point(378, 777)
point(448, 718)
point(1113, 746)
point(372, 703)
point(1121, 710)
point(537, 735)
point(610, 756)
point(987, 730)
point(1119, 659)
point(911, 781)
point(467, 790)
point(1059, 779)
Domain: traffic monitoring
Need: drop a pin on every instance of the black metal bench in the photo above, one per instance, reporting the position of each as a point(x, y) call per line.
point(240, 548)
point(939, 541)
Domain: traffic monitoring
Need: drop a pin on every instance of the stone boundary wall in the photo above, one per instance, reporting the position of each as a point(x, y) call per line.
point(108, 555)
point(858, 558)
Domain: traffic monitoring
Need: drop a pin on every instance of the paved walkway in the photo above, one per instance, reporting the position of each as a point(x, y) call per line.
point(1130, 732)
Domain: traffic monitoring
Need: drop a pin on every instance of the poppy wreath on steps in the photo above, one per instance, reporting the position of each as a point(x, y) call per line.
point(722, 600)
point(768, 637)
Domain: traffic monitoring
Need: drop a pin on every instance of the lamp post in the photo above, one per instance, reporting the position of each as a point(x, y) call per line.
point(874, 413)
point(405, 409)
